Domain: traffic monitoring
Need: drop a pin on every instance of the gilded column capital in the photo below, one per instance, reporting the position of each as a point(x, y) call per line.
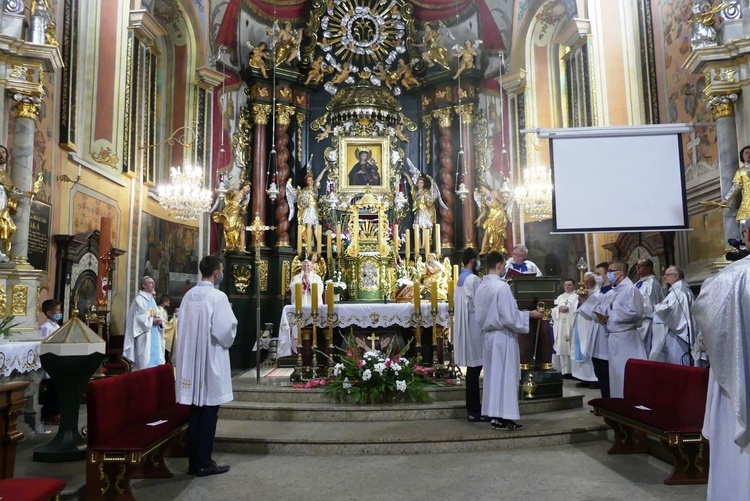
point(722, 106)
point(284, 114)
point(261, 112)
point(466, 112)
point(27, 106)
point(443, 117)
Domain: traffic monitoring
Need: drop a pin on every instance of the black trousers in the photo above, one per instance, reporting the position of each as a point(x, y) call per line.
point(201, 431)
point(473, 399)
point(601, 369)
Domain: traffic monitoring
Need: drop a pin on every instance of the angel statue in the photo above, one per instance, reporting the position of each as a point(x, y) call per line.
point(306, 199)
point(258, 57)
point(433, 271)
point(494, 206)
point(434, 52)
point(232, 216)
point(466, 56)
point(287, 42)
point(318, 70)
point(424, 193)
point(703, 19)
point(9, 196)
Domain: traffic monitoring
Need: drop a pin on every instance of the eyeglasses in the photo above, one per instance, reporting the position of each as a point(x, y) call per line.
point(672, 274)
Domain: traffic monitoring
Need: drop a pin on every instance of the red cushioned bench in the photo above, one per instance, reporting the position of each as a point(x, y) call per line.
point(676, 398)
point(121, 443)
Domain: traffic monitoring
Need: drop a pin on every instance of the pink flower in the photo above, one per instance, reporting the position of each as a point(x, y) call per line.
point(360, 363)
point(388, 362)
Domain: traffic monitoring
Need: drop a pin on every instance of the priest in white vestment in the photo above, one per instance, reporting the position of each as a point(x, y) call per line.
point(519, 263)
point(203, 378)
point(673, 331)
point(621, 311)
point(581, 364)
point(721, 314)
point(650, 288)
point(307, 277)
point(598, 347)
point(467, 337)
point(563, 314)
point(501, 321)
point(144, 331)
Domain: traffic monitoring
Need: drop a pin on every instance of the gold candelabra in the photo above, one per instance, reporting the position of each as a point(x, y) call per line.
point(312, 372)
point(435, 335)
point(297, 374)
point(331, 318)
point(257, 228)
point(582, 267)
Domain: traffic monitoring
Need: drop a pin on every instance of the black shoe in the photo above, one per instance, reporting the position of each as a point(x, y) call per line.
point(582, 384)
point(594, 386)
point(476, 418)
point(505, 425)
point(213, 469)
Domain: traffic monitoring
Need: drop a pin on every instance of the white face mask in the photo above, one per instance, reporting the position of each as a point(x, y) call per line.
point(599, 280)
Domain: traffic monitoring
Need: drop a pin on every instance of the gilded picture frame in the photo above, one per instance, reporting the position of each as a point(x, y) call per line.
point(363, 162)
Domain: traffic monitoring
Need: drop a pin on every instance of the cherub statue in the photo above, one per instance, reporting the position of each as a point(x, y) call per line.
point(287, 42)
point(433, 271)
point(306, 199)
point(465, 56)
point(327, 131)
point(318, 69)
point(424, 193)
point(232, 216)
point(341, 77)
point(50, 38)
point(258, 57)
point(494, 206)
point(434, 52)
point(389, 79)
point(408, 80)
point(703, 19)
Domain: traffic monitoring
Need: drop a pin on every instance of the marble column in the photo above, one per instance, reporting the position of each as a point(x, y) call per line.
point(261, 112)
point(469, 212)
point(722, 108)
point(21, 173)
point(284, 115)
point(445, 175)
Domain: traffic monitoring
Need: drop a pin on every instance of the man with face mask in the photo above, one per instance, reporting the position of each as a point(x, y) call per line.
point(203, 378)
point(672, 327)
point(50, 404)
point(468, 342)
point(582, 365)
point(599, 341)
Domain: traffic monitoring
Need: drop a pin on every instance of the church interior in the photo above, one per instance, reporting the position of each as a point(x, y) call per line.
point(368, 143)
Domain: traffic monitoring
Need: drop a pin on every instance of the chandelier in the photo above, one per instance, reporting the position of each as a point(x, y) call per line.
point(535, 194)
point(184, 196)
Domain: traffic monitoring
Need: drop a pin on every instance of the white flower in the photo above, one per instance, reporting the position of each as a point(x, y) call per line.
point(366, 375)
point(373, 354)
point(404, 362)
point(379, 368)
point(396, 367)
point(401, 385)
point(346, 384)
point(337, 369)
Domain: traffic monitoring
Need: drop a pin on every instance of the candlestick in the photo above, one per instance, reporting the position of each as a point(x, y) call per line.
point(315, 295)
point(328, 245)
point(451, 287)
point(329, 297)
point(417, 298)
point(309, 240)
point(417, 247)
point(298, 298)
point(433, 296)
point(426, 238)
point(339, 250)
point(407, 253)
point(380, 236)
point(456, 273)
point(300, 229)
point(319, 240)
point(438, 250)
point(396, 240)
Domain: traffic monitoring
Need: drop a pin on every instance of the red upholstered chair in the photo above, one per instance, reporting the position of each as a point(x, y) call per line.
point(31, 489)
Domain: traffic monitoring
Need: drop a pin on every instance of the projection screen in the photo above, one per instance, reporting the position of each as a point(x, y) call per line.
point(617, 179)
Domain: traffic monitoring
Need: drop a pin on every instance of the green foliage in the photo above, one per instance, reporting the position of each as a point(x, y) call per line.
point(370, 377)
point(6, 324)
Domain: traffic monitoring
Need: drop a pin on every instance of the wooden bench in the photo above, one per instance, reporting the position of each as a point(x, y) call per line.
point(665, 401)
point(121, 442)
point(12, 401)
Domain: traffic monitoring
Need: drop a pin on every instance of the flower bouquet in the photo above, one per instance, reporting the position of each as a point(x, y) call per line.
point(375, 377)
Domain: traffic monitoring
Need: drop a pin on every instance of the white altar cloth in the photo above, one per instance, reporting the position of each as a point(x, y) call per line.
point(19, 356)
point(360, 314)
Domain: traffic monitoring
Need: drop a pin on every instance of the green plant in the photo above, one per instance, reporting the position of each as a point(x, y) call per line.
point(375, 377)
point(6, 324)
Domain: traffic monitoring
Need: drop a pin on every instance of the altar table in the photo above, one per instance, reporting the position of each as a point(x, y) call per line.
point(19, 361)
point(367, 315)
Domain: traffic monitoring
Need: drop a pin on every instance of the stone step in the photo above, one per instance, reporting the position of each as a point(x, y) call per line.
point(287, 394)
point(404, 437)
point(333, 412)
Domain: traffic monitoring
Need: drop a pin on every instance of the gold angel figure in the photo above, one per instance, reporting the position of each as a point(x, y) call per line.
point(434, 52)
point(258, 57)
point(493, 217)
point(232, 217)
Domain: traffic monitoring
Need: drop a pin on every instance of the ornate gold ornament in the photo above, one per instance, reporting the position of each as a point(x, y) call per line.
point(722, 106)
point(483, 145)
point(3, 301)
point(261, 112)
point(105, 156)
point(466, 112)
point(242, 274)
point(284, 114)
point(427, 122)
point(242, 139)
point(19, 299)
point(285, 276)
point(27, 106)
point(443, 117)
point(263, 274)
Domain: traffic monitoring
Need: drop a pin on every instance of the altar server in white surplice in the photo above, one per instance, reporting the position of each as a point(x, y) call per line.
point(650, 288)
point(672, 328)
point(468, 342)
point(582, 366)
point(501, 321)
point(721, 314)
point(563, 314)
point(144, 332)
point(203, 379)
point(621, 310)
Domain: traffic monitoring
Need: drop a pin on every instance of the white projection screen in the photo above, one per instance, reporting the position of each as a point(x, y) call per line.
point(615, 182)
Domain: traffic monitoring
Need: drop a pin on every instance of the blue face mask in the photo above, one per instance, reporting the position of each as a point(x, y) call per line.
point(611, 277)
point(220, 280)
point(57, 317)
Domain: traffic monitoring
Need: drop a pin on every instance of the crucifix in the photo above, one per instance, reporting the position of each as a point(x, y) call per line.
point(372, 339)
